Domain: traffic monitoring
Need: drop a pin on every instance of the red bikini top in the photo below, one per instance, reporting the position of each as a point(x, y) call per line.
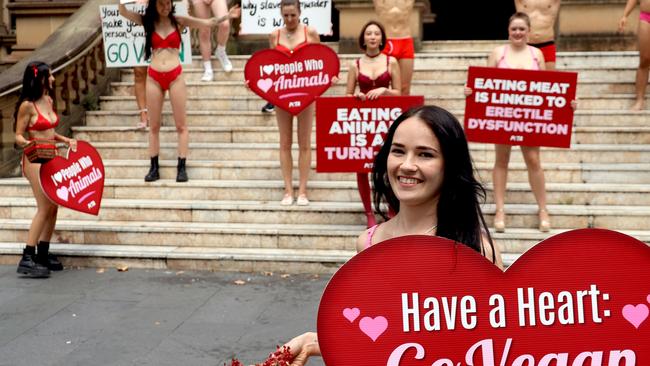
point(366, 84)
point(173, 40)
point(286, 49)
point(42, 123)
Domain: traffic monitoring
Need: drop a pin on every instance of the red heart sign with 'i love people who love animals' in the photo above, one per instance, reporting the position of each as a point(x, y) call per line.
point(75, 181)
point(580, 298)
point(292, 81)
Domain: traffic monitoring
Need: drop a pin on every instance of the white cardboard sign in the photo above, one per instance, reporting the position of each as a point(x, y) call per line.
point(263, 16)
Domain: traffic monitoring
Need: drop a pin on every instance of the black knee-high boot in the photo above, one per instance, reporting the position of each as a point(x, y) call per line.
point(153, 174)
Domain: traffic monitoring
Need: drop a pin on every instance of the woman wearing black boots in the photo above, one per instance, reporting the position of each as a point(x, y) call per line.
point(36, 117)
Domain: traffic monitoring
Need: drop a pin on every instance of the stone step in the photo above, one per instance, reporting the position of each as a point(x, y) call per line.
point(446, 73)
point(437, 59)
point(418, 87)
point(338, 191)
point(460, 46)
point(129, 118)
point(270, 170)
point(327, 213)
point(258, 236)
point(581, 135)
point(192, 258)
point(585, 153)
point(253, 102)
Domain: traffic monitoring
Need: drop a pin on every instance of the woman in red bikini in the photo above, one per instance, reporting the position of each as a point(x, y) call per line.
point(643, 33)
point(424, 173)
point(376, 74)
point(36, 117)
point(163, 39)
point(289, 38)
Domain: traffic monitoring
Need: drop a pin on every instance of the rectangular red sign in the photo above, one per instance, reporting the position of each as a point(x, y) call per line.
point(520, 107)
point(350, 132)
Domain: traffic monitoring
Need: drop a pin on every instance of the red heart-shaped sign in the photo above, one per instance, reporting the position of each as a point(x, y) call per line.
point(580, 298)
point(75, 181)
point(292, 81)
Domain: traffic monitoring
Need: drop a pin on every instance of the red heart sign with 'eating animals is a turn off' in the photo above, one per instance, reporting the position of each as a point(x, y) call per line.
point(580, 298)
point(75, 181)
point(292, 81)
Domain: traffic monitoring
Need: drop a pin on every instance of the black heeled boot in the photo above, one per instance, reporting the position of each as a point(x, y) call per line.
point(153, 174)
point(29, 266)
point(181, 174)
point(44, 257)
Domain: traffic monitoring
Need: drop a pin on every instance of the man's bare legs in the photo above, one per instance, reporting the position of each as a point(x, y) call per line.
point(644, 65)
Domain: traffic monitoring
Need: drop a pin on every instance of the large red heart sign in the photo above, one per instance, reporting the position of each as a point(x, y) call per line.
point(75, 181)
point(580, 298)
point(292, 81)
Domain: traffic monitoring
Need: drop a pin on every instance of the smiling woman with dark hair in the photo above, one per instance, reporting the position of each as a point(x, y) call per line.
point(36, 117)
point(424, 173)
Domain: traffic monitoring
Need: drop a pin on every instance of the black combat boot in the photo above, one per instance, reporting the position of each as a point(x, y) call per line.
point(181, 175)
point(153, 174)
point(29, 266)
point(44, 257)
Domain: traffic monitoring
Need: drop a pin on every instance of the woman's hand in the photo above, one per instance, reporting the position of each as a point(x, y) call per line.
point(574, 104)
point(335, 79)
point(234, 12)
point(375, 93)
point(72, 143)
point(621, 24)
point(360, 96)
point(302, 347)
point(468, 91)
point(247, 83)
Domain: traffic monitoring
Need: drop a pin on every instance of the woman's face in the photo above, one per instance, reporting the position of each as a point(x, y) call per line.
point(518, 32)
point(415, 163)
point(372, 37)
point(164, 7)
point(291, 16)
point(50, 80)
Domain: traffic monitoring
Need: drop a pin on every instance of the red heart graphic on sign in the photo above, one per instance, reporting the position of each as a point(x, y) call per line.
point(75, 181)
point(292, 81)
point(575, 299)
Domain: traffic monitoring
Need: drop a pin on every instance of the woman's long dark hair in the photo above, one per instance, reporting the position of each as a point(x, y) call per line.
point(459, 213)
point(35, 84)
point(148, 21)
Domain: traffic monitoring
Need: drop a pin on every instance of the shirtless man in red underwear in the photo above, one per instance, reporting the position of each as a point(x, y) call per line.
point(543, 14)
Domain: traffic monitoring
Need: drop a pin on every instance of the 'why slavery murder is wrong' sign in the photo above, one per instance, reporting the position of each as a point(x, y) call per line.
point(263, 16)
point(579, 298)
point(520, 107)
point(124, 40)
point(350, 132)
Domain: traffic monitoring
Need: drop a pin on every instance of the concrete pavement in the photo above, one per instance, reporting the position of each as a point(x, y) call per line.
point(151, 317)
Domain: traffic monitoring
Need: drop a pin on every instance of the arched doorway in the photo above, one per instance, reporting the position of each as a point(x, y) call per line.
point(472, 19)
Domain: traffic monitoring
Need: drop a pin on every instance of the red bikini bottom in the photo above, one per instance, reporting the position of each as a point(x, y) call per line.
point(165, 78)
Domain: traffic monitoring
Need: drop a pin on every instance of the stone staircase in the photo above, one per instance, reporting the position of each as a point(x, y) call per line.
point(228, 216)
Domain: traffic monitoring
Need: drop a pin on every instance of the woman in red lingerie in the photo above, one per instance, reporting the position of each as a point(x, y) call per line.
point(643, 33)
point(376, 74)
point(36, 117)
point(287, 39)
point(163, 39)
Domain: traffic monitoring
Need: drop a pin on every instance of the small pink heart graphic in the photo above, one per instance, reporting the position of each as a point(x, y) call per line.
point(373, 328)
point(351, 314)
point(265, 84)
point(636, 315)
point(62, 193)
point(648, 299)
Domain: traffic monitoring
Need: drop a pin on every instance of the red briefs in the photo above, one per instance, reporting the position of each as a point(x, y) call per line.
point(400, 48)
point(548, 50)
point(165, 78)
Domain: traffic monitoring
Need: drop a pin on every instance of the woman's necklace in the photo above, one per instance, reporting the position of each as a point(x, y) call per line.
point(431, 229)
point(291, 34)
point(372, 58)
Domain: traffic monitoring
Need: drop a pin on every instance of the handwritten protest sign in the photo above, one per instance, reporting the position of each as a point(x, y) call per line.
point(292, 81)
point(580, 298)
point(124, 40)
point(350, 132)
point(520, 107)
point(75, 181)
point(263, 16)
